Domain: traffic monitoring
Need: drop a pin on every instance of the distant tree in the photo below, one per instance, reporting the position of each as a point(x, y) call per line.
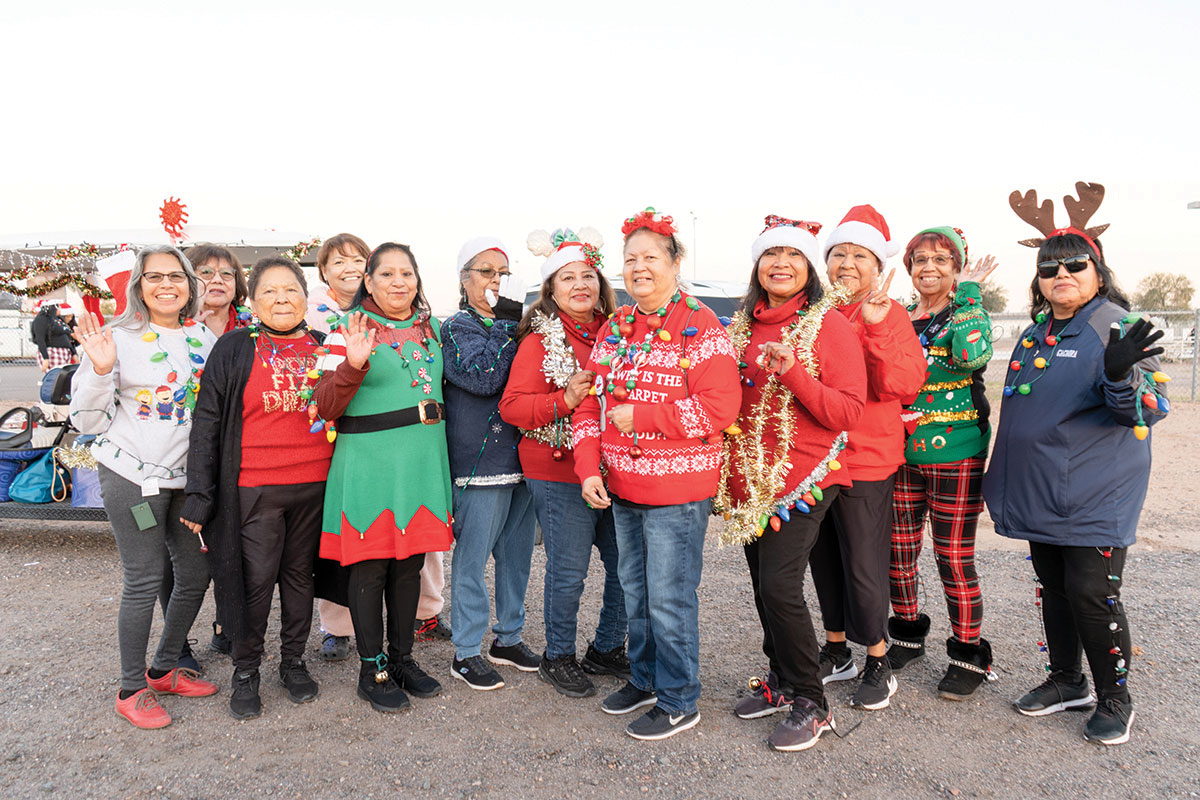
point(995, 297)
point(1164, 291)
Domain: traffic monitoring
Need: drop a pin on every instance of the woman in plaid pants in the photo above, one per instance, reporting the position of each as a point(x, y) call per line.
point(945, 453)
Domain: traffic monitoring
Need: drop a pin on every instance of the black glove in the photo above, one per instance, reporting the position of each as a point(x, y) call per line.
point(1123, 352)
point(507, 309)
point(509, 301)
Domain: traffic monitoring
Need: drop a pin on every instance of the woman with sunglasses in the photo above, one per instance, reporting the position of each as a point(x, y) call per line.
point(1071, 464)
point(945, 452)
point(135, 390)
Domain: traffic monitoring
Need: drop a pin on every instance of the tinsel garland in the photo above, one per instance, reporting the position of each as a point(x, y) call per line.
point(765, 474)
point(58, 262)
point(77, 456)
point(558, 366)
point(300, 249)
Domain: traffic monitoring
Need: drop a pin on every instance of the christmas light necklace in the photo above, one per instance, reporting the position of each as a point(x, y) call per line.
point(192, 385)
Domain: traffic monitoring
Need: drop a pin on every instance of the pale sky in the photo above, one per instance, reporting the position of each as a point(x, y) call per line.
point(433, 125)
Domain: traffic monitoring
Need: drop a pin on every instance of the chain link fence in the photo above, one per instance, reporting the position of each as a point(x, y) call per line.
point(15, 346)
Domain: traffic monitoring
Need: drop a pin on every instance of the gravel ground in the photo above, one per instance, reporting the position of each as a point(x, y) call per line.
point(59, 737)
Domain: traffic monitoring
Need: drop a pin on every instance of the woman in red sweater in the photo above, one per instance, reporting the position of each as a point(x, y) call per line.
point(850, 559)
point(544, 388)
point(666, 386)
point(804, 387)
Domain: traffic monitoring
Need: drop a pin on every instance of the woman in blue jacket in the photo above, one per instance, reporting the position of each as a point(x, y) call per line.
point(1072, 461)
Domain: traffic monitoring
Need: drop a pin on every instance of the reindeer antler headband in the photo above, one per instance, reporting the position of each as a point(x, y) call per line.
point(1079, 211)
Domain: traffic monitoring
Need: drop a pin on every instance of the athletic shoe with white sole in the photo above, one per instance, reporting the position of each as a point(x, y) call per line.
point(766, 700)
point(1111, 723)
point(627, 699)
point(836, 664)
point(476, 673)
point(877, 687)
point(658, 724)
point(802, 728)
point(1054, 695)
point(515, 655)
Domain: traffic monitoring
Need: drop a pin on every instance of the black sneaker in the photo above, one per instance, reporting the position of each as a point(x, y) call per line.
point(765, 701)
point(477, 673)
point(614, 662)
point(836, 664)
point(877, 687)
point(294, 676)
point(220, 642)
point(657, 724)
point(335, 648)
point(413, 679)
point(1053, 695)
point(245, 703)
point(515, 655)
point(802, 728)
point(187, 659)
point(1111, 723)
point(626, 699)
point(565, 676)
point(378, 687)
point(427, 630)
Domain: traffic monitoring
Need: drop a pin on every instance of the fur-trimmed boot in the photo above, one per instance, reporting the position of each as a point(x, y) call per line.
point(908, 640)
point(970, 665)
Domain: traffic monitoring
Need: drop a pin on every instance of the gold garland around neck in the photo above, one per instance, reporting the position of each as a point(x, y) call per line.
point(558, 366)
point(765, 473)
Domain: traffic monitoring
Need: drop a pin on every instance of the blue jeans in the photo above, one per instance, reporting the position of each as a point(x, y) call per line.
point(661, 555)
point(569, 529)
point(495, 521)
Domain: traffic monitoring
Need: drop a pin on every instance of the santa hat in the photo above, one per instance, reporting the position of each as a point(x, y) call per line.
point(564, 247)
point(865, 227)
point(479, 245)
point(63, 308)
point(782, 232)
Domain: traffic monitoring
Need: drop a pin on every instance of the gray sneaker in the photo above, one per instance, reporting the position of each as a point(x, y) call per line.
point(802, 728)
point(1056, 694)
point(766, 700)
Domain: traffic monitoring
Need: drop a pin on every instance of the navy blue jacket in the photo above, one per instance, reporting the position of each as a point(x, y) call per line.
point(1067, 469)
point(483, 447)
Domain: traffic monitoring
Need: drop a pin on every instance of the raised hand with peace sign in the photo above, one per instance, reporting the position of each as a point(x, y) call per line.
point(876, 304)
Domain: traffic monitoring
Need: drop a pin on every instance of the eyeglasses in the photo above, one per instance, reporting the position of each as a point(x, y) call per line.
point(489, 273)
point(1048, 269)
point(938, 260)
point(206, 274)
point(157, 277)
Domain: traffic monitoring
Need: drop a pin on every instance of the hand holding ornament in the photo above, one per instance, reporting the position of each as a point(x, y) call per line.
point(776, 358)
point(578, 386)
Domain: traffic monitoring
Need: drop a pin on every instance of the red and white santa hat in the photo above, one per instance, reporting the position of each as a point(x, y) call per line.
point(783, 232)
point(564, 246)
point(865, 227)
point(480, 244)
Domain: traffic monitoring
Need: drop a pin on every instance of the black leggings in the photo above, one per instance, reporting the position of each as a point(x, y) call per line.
point(399, 581)
point(1082, 611)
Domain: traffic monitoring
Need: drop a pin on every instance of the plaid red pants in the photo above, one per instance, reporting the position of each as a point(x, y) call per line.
point(953, 495)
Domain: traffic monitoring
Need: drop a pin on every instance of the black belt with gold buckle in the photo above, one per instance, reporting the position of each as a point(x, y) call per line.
point(426, 412)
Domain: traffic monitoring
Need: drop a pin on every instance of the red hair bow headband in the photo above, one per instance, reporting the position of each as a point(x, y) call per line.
point(649, 219)
point(774, 221)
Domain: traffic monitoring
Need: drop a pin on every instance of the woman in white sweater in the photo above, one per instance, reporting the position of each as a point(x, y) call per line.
point(135, 390)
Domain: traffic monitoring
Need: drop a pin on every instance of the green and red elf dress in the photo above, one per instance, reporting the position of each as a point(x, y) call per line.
point(388, 491)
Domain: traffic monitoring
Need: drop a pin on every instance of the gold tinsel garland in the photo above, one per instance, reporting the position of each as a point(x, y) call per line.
point(77, 456)
point(558, 366)
point(765, 473)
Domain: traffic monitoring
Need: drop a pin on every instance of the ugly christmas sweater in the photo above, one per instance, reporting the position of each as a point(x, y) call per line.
point(822, 408)
point(534, 398)
point(685, 391)
point(948, 421)
point(895, 371)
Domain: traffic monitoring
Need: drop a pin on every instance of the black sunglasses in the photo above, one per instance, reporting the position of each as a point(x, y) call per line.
point(1048, 269)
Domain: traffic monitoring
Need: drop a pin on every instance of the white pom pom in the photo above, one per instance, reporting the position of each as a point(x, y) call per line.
point(539, 244)
point(591, 236)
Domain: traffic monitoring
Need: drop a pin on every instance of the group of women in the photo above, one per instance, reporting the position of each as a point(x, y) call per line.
point(823, 423)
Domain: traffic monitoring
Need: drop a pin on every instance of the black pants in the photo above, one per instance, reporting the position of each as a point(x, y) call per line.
point(1078, 584)
point(399, 581)
point(850, 561)
point(281, 530)
point(777, 562)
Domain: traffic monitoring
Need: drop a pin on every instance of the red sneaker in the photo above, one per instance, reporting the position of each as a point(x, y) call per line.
point(143, 711)
point(183, 682)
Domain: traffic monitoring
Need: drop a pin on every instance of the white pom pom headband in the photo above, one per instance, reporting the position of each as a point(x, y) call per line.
point(565, 246)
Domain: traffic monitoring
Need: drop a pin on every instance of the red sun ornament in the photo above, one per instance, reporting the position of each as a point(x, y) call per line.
point(173, 215)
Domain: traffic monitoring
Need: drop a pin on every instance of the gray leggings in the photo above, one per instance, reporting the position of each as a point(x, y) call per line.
point(143, 557)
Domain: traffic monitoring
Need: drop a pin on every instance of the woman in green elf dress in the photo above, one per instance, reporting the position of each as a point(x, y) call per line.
point(387, 500)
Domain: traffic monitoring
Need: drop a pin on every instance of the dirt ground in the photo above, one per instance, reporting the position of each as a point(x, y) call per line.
point(59, 736)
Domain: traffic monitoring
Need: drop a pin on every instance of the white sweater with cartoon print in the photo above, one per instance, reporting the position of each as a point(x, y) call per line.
point(141, 411)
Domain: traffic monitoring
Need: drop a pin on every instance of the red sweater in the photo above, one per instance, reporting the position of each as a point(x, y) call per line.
point(821, 408)
point(277, 448)
point(895, 372)
point(679, 412)
point(532, 400)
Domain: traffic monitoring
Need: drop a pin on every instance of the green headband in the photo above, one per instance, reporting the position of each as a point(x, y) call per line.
point(954, 236)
